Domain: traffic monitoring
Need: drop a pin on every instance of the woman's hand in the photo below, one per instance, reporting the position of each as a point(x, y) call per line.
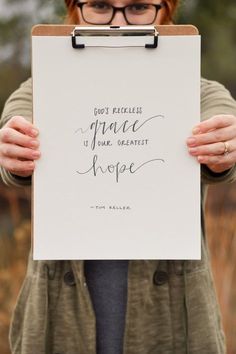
point(213, 142)
point(19, 146)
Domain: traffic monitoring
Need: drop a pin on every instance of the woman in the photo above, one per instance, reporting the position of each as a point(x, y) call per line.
point(114, 307)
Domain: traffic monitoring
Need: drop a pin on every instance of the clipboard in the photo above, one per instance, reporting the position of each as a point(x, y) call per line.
point(114, 107)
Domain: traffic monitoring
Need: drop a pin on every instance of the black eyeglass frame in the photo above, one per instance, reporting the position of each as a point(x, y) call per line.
point(158, 7)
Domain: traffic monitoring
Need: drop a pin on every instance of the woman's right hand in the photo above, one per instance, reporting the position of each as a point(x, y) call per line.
point(19, 146)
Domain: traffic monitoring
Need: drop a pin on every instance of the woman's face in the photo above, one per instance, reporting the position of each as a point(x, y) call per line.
point(133, 12)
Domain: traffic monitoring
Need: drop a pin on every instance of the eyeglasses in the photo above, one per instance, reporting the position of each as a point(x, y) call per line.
point(102, 13)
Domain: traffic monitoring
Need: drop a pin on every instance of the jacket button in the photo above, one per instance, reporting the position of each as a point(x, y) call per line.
point(160, 277)
point(69, 278)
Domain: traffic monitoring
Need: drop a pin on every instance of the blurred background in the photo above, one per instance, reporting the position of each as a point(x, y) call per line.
point(216, 21)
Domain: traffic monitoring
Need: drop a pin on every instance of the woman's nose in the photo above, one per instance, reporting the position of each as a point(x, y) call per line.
point(119, 19)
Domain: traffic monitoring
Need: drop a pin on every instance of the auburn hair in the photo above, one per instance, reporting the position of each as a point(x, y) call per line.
point(72, 13)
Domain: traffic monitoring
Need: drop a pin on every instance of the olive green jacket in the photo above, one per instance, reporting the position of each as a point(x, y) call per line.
point(171, 306)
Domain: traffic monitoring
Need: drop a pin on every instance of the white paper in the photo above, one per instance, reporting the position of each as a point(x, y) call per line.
point(115, 180)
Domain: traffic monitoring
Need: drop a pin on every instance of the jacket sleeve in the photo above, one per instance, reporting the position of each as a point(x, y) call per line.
point(216, 99)
point(18, 104)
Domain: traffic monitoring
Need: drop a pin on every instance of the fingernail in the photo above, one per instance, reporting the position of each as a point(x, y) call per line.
point(192, 150)
point(34, 143)
point(31, 165)
point(196, 130)
point(34, 132)
point(200, 158)
point(36, 153)
point(191, 141)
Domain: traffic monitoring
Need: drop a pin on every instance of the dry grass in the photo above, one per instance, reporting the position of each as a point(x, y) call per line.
point(221, 229)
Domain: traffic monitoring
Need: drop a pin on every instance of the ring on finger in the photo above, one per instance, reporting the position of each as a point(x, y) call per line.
point(226, 148)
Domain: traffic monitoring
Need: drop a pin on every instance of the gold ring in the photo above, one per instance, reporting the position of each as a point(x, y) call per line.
point(226, 146)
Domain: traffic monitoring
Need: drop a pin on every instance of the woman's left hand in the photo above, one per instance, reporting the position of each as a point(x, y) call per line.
point(213, 142)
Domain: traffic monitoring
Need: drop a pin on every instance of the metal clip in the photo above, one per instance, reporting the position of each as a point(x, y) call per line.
point(114, 31)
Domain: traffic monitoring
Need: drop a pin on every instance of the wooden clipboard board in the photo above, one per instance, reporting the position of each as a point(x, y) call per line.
point(115, 180)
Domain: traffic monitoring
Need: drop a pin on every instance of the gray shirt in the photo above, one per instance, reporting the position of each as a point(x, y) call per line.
point(107, 283)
